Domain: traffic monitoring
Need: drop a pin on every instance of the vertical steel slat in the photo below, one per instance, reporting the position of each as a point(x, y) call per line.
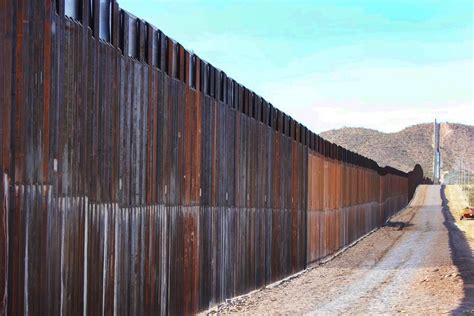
point(154, 187)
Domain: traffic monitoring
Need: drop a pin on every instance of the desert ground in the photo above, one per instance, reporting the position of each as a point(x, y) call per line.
point(421, 262)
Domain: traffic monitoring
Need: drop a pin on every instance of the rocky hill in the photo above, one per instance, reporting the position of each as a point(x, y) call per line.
point(411, 145)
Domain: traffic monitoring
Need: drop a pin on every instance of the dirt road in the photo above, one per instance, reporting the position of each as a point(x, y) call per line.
point(420, 263)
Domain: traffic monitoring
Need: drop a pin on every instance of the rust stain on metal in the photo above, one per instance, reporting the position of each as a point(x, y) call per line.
point(139, 179)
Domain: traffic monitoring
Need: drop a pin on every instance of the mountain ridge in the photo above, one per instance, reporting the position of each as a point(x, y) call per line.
point(411, 145)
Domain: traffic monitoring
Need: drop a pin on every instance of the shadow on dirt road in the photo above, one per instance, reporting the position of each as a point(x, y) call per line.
point(462, 256)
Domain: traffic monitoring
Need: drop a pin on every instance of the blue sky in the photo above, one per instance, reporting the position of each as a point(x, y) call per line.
point(332, 63)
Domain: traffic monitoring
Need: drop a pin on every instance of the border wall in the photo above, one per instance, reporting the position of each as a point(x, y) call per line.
point(139, 179)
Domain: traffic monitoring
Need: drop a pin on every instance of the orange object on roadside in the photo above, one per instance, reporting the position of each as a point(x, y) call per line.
point(467, 212)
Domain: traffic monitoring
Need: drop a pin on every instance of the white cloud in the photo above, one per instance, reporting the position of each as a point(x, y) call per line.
point(387, 95)
point(323, 118)
point(387, 98)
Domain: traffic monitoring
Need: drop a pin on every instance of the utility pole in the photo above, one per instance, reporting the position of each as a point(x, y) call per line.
point(437, 156)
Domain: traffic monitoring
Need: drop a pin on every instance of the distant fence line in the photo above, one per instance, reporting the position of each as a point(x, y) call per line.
point(139, 179)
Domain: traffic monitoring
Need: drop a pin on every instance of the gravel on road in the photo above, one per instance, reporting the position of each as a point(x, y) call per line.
point(422, 266)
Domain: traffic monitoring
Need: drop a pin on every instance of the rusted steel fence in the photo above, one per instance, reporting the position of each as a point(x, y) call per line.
point(139, 179)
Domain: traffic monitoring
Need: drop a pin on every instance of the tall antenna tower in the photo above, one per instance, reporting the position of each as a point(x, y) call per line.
point(437, 154)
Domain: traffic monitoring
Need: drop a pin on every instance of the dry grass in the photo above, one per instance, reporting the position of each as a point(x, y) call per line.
point(457, 202)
